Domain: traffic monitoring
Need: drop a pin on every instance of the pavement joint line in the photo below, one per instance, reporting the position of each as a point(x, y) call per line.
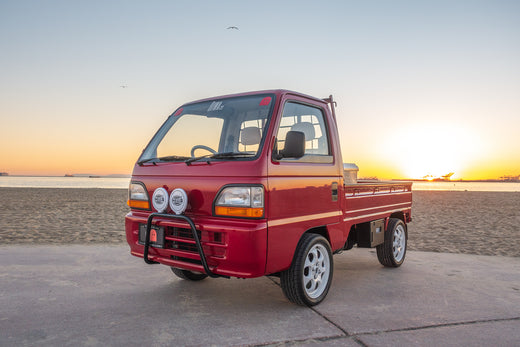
point(297, 341)
point(355, 337)
point(321, 315)
point(331, 322)
point(344, 332)
point(434, 326)
point(359, 342)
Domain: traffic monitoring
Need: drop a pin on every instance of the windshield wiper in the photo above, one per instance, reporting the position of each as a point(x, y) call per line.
point(173, 158)
point(167, 158)
point(225, 155)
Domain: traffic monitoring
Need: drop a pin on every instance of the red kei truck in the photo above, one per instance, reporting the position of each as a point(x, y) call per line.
point(254, 184)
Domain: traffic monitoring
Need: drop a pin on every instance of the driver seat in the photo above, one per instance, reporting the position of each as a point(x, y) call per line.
point(250, 136)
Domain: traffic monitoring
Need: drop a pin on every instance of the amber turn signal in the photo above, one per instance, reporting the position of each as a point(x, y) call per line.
point(139, 204)
point(239, 211)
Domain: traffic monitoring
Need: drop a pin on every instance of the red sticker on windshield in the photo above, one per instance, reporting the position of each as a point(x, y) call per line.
point(178, 112)
point(265, 101)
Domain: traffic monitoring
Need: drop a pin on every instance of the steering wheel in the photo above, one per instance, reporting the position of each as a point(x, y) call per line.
point(194, 148)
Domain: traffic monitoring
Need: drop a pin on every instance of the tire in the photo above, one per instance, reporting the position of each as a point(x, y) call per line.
point(392, 251)
point(188, 275)
point(308, 280)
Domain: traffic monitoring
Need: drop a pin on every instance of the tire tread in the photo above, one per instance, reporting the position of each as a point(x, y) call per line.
point(188, 275)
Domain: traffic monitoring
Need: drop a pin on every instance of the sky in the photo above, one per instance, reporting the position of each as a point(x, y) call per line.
point(423, 87)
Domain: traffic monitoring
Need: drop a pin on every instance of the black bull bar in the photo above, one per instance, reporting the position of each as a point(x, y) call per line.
point(195, 237)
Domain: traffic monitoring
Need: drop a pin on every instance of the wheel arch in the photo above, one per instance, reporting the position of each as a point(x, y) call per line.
point(399, 215)
point(402, 215)
point(321, 230)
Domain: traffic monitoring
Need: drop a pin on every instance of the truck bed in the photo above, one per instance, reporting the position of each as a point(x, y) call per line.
point(370, 200)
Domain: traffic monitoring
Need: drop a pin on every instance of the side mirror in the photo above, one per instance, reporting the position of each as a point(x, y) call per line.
point(294, 145)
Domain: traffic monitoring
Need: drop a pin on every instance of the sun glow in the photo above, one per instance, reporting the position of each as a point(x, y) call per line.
point(433, 151)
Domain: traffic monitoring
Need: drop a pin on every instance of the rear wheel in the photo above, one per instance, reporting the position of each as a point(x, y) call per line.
point(308, 280)
point(188, 275)
point(392, 251)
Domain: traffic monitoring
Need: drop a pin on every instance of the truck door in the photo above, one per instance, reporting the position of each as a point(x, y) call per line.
point(303, 192)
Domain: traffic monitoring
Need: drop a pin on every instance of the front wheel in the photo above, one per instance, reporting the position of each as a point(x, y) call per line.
point(308, 280)
point(392, 251)
point(188, 275)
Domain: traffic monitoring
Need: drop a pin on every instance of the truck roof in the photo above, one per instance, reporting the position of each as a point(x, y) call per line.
point(277, 92)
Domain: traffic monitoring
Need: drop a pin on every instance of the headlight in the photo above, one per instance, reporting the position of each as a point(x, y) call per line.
point(137, 196)
point(240, 201)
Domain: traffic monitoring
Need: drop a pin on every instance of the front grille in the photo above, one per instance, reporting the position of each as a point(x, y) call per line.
point(174, 241)
point(182, 232)
point(181, 239)
point(180, 244)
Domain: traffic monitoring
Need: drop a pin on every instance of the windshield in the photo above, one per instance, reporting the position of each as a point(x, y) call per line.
point(221, 129)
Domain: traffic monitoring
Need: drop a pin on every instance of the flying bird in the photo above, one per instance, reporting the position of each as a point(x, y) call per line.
point(236, 28)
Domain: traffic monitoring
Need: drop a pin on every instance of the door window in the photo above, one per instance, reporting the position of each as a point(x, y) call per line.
point(311, 122)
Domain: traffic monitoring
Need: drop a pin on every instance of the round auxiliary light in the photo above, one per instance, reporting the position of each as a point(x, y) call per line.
point(178, 201)
point(160, 199)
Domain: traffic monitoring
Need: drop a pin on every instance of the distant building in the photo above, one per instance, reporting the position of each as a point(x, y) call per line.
point(510, 178)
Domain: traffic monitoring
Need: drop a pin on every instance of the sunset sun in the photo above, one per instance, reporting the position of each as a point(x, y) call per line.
point(433, 151)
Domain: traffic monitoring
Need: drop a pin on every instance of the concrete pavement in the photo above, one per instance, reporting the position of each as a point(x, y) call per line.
point(100, 295)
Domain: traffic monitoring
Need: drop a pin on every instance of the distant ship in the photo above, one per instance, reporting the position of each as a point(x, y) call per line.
point(4, 174)
point(443, 178)
point(69, 175)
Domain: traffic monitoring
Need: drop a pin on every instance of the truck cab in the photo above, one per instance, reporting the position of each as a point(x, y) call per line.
point(253, 184)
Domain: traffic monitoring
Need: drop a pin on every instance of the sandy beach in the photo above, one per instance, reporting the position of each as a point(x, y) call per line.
point(484, 223)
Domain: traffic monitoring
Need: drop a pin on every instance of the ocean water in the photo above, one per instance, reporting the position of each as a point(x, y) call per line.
point(468, 186)
point(122, 183)
point(63, 182)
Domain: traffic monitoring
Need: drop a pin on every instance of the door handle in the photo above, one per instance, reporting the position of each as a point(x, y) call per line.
point(334, 187)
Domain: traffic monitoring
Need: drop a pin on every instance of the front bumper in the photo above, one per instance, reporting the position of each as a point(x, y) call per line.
point(232, 247)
